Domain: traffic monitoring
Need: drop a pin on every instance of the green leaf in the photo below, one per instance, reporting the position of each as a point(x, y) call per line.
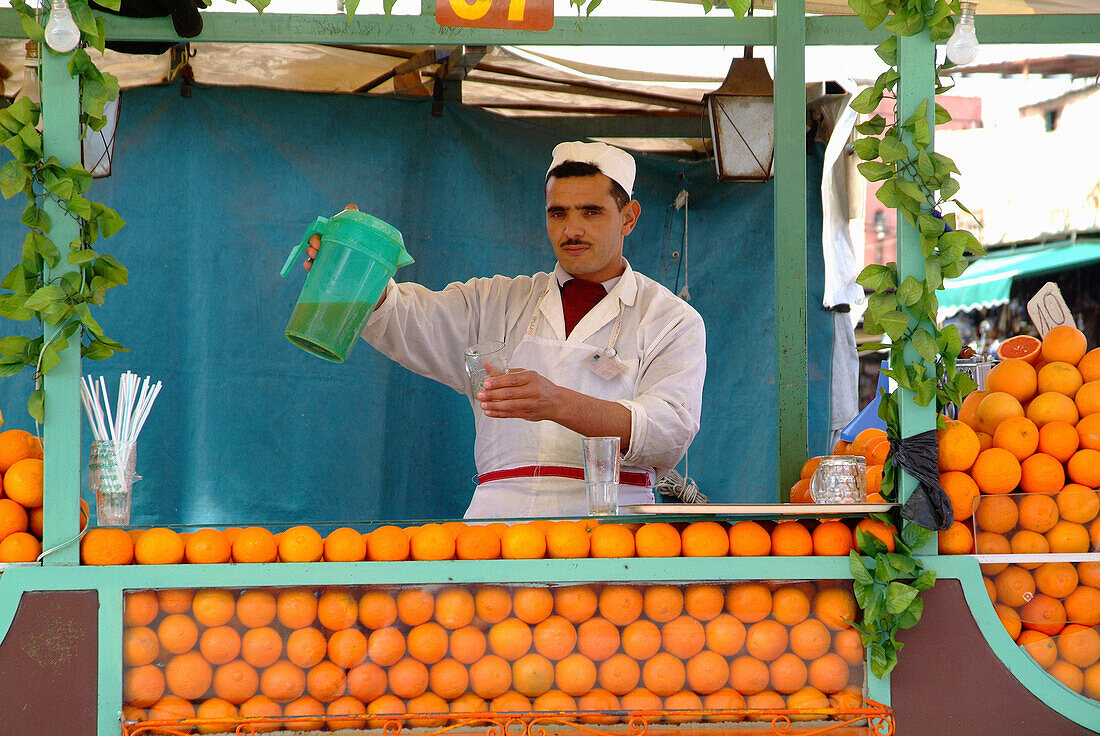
point(925, 392)
point(872, 13)
point(911, 189)
point(33, 216)
point(11, 366)
point(954, 269)
point(875, 171)
point(80, 206)
point(876, 604)
point(866, 148)
point(942, 115)
point(902, 563)
point(952, 343)
point(949, 188)
point(943, 164)
point(12, 179)
point(895, 323)
point(915, 536)
point(888, 51)
point(874, 126)
point(922, 133)
point(891, 150)
point(11, 307)
point(84, 313)
point(867, 101)
point(108, 220)
point(110, 269)
point(905, 25)
point(910, 291)
point(957, 242)
point(45, 297)
point(82, 255)
point(863, 591)
point(82, 14)
point(32, 30)
point(883, 572)
point(888, 80)
point(877, 277)
point(888, 193)
point(910, 617)
point(31, 138)
point(880, 303)
point(925, 580)
point(859, 570)
point(868, 544)
point(49, 359)
point(24, 111)
point(15, 345)
point(899, 596)
point(81, 178)
point(96, 350)
point(964, 384)
point(933, 275)
point(925, 167)
point(36, 405)
point(43, 246)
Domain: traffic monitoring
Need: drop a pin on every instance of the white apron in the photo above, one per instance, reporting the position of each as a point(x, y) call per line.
point(513, 443)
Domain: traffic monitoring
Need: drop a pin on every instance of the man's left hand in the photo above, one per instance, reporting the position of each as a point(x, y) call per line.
point(520, 394)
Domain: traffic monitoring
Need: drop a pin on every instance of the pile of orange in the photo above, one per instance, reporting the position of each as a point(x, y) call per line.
point(456, 540)
point(366, 653)
point(21, 497)
point(870, 444)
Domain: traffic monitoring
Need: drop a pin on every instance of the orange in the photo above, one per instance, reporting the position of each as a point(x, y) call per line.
point(810, 639)
point(1042, 648)
point(876, 451)
point(188, 675)
point(991, 543)
point(175, 600)
point(575, 603)
point(859, 444)
point(567, 539)
point(985, 440)
point(612, 540)
point(1089, 573)
point(958, 446)
point(640, 699)
point(158, 547)
point(1038, 513)
point(683, 637)
point(261, 706)
point(222, 712)
point(36, 518)
point(997, 514)
point(1061, 378)
point(621, 604)
point(532, 605)
point(236, 681)
point(684, 700)
point(766, 640)
point(1064, 343)
point(347, 648)
point(849, 646)
point(1065, 536)
point(523, 542)
point(748, 675)
point(1052, 407)
point(343, 545)
point(140, 608)
point(493, 603)
point(724, 634)
point(1078, 503)
point(1083, 606)
point(296, 609)
point(1092, 682)
point(968, 411)
point(595, 702)
point(1024, 347)
point(447, 678)
point(490, 676)
point(454, 607)
point(790, 605)
point(1018, 435)
point(207, 546)
point(704, 602)
point(142, 686)
point(385, 705)
point(1088, 432)
point(377, 609)
point(213, 606)
point(791, 539)
point(995, 408)
point(657, 539)
point(366, 682)
point(255, 544)
point(386, 646)
point(101, 546)
point(725, 699)
point(1015, 377)
point(140, 646)
point(1069, 675)
point(1015, 586)
point(809, 467)
point(432, 542)
point(835, 607)
point(327, 682)
point(467, 644)
point(1027, 542)
point(532, 674)
point(664, 674)
point(641, 640)
point(704, 539)
point(261, 647)
point(388, 543)
point(554, 700)
point(1043, 613)
point(749, 539)
point(415, 606)
point(220, 644)
point(256, 608)
point(23, 482)
point(832, 538)
point(956, 540)
point(337, 609)
point(1087, 398)
point(427, 643)
point(511, 639)
point(874, 482)
point(1089, 365)
point(996, 471)
point(177, 633)
point(597, 638)
point(883, 531)
point(171, 708)
point(16, 445)
point(787, 673)
point(662, 603)
point(554, 638)
point(961, 491)
point(800, 492)
point(767, 700)
point(301, 544)
point(1079, 645)
point(808, 698)
point(1042, 474)
point(346, 705)
point(1084, 468)
point(749, 602)
point(511, 702)
point(477, 542)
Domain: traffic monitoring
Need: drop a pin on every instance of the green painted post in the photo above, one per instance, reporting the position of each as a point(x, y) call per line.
point(790, 242)
point(61, 138)
point(111, 606)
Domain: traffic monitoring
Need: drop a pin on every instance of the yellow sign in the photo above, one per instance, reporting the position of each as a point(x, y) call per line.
point(523, 15)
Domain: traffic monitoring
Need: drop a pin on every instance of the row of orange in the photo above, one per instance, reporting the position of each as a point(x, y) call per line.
point(21, 497)
point(456, 540)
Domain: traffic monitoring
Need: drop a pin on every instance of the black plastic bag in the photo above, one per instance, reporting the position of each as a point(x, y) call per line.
point(929, 506)
point(185, 20)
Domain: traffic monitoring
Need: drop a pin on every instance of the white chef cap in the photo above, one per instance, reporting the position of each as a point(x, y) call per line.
point(615, 163)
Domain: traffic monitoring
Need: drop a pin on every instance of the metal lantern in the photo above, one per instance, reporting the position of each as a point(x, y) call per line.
point(742, 122)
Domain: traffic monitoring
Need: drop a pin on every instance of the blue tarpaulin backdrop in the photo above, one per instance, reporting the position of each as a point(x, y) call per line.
point(217, 188)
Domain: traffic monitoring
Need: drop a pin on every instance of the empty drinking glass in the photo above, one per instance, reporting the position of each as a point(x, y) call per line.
point(484, 359)
point(840, 479)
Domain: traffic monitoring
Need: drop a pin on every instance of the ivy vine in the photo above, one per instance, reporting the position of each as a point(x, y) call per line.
point(919, 183)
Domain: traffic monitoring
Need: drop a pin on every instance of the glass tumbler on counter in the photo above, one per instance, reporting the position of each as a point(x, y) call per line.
point(111, 476)
point(840, 479)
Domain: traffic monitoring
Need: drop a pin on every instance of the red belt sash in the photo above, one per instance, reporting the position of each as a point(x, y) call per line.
point(626, 477)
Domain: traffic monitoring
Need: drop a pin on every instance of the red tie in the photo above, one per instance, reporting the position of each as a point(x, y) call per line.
point(577, 297)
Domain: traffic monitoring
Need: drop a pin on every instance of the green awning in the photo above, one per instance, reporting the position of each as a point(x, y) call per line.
point(986, 283)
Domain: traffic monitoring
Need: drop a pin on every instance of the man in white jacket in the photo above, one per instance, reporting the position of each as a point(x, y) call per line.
point(594, 349)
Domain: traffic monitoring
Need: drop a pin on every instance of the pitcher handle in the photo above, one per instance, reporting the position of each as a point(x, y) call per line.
point(317, 228)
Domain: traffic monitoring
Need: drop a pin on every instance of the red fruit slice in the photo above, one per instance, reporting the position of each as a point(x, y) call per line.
point(1023, 347)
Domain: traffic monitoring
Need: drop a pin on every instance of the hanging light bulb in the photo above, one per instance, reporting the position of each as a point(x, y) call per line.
point(962, 47)
point(62, 34)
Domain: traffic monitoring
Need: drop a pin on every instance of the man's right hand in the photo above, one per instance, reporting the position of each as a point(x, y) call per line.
point(315, 244)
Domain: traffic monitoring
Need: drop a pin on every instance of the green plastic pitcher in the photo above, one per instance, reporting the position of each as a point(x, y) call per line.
point(358, 256)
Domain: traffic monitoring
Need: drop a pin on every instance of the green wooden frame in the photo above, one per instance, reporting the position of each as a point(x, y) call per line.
point(790, 31)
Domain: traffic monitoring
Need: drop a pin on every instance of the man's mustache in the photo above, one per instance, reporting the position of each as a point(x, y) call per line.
point(574, 242)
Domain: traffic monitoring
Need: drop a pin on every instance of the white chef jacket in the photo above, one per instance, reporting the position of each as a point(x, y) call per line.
point(660, 341)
